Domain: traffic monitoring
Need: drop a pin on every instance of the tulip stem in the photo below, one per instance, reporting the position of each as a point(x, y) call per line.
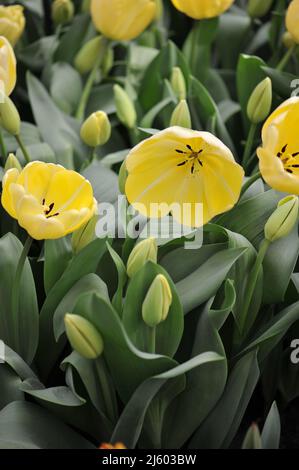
point(249, 144)
point(152, 340)
point(106, 389)
point(90, 81)
point(15, 299)
point(250, 181)
point(285, 60)
point(252, 280)
point(23, 148)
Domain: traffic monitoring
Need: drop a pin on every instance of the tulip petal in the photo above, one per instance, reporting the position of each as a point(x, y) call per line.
point(10, 177)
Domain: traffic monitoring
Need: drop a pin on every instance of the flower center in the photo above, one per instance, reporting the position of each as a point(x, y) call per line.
point(48, 209)
point(191, 157)
point(289, 161)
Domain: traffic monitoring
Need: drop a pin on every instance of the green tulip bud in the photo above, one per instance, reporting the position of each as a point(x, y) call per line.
point(83, 336)
point(84, 235)
point(258, 8)
point(181, 116)
point(178, 83)
point(253, 438)
point(122, 177)
point(62, 11)
point(157, 302)
point(12, 162)
point(125, 108)
point(283, 219)
point(108, 61)
point(144, 251)
point(288, 40)
point(260, 102)
point(96, 130)
point(88, 54)
point(85, 7)
point(9, 116)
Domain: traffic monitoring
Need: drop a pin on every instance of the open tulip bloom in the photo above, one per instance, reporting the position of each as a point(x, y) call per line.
point(47, 200)
point(201, 9)
point(279, 155)
point(179, 170)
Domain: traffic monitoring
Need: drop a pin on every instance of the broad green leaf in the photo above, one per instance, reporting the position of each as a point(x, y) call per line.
point(25, 425)
point(122, 278)
point(131, 421)
point(21, 333)
point(271, 333)
point(10, 386)
point(220, 427)
point(283, 82)
point(129, 367)
point(104, 182)
point(232, 35)
point(85, 262)
point(188, 412)
point(80, 31)
point(169, 332)
point(66, 97)
point(89, 283)
point(204, 282)
point(41, 152)
point(57, 255)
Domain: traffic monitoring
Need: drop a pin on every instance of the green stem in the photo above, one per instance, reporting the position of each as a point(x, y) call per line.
point(250, 181)
point(2, 147)
point(152, 340)
point(285, 60)
point(253, 277)
point(90, 81)
point(249, 144)
point(15, 299)
point(106, 389)
point(23, 148)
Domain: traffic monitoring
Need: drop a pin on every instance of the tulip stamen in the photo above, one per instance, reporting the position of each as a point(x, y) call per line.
point(193, 156)
point(49, 209)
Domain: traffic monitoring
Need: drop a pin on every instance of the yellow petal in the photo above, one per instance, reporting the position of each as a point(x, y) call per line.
point(69, 190)
point(292, 20)
point(36, 178)
point(8, 74)
point(10, 177)
point(200, 9)
point(122, 20)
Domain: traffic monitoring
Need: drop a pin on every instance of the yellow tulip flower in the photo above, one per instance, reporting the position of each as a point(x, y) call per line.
point(47, 200)
point(12, 22)
point(184, 168)
point(279, 155)
point(122, 20)
point(201, 9)
point(8, 64)
point(292, 20)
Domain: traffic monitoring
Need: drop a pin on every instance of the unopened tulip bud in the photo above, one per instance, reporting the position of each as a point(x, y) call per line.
point(260, 102)
point(88, 54)
point(157, 302)
point(283, 219)
point(12, 162)
point(143, 252)
point(62, 11)
point(181, 115)
point(253, 438)
point(178, 83)
point(108, 61)
point(84, 235)
point(288, 40)
point(258, 8)
point(125, 108)
point(83, 336)
point(122, 177)
point(9, 116)
point(96, 130)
